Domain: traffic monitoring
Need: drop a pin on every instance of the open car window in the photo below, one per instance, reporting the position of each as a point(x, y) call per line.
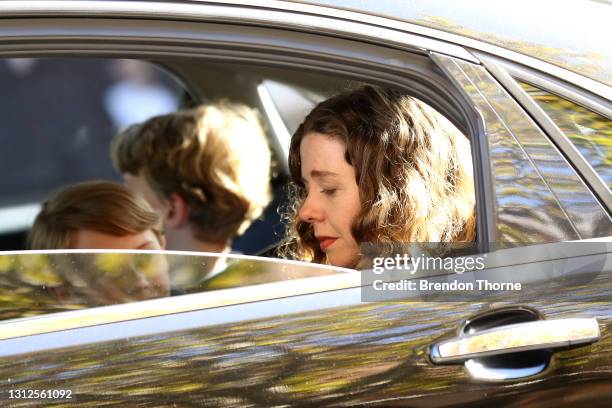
point(60, 135)
point(39, 283)
point(58, 116)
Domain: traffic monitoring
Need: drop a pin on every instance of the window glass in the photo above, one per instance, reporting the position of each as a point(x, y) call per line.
point(589, 132)
point(538, 195)
point(41, 283)
point(192, 159)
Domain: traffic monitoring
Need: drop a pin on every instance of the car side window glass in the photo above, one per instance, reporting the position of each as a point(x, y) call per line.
point(538, 195)
point(590, 132)
point(33, 284)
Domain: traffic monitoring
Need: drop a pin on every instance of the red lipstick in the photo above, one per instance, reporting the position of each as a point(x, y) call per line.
point(326, 242)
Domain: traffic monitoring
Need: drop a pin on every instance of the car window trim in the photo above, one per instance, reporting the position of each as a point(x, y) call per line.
point(483, 178)
point(560, 139)
point(384, 66)
point(227, 43)
point(267, 14)
point(579, 96)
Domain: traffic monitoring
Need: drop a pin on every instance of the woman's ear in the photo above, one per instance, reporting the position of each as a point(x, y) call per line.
point(177, 212)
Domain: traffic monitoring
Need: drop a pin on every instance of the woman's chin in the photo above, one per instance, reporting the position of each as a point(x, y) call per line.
point(342, 260)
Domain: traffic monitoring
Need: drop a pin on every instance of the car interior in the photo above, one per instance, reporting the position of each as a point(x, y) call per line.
point(60, 133)
point(60, 121)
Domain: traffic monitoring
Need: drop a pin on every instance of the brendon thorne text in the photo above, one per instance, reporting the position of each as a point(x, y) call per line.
point(425, 285)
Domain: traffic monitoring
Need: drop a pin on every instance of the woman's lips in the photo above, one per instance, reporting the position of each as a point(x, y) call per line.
point(326, 242)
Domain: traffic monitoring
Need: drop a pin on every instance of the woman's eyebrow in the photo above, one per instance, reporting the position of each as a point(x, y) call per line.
point(318, 174)
point(322, 173)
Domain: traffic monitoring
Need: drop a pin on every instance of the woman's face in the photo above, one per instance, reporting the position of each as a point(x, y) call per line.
point(332, 200)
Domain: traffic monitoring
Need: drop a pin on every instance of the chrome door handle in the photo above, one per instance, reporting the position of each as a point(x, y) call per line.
point(535, 335)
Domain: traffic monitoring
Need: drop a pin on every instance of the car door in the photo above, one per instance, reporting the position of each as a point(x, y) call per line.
point(314, 341)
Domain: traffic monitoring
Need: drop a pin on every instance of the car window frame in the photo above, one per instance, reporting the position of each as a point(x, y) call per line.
point(388, 66)
point(350, 58)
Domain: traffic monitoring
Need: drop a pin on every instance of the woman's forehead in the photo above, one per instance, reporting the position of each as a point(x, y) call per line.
point(320, 147)
point(323, 157)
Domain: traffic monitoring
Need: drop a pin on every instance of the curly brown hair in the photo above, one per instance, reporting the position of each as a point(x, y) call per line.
point(413, 169)
point(215, 156)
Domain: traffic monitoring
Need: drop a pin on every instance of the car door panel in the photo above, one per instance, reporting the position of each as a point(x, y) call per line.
point(321, 349)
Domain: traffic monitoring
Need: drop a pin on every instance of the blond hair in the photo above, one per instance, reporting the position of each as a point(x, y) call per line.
point(413, 169)
point(215, 157)
point(100, 206)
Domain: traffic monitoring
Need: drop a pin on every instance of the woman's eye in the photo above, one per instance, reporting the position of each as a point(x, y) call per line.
point(329, 191)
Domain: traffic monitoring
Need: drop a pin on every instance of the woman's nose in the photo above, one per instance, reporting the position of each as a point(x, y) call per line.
point(310, 211)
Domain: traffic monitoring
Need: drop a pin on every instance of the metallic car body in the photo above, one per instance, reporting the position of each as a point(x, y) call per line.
point(313, 349)
point(513, 26)
point(324, 347)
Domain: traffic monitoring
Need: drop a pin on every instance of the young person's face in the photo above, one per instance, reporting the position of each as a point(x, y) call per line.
point(131, 283)
point(173, 210)
point(332, 200)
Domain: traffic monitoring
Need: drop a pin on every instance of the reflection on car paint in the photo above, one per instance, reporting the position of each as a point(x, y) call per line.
point(350, 355)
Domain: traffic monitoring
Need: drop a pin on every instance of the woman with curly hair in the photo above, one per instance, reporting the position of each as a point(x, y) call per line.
point(377, 166)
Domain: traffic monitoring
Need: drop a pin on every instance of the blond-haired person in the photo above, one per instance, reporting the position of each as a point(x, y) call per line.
point(377, 166)
point(102, 215)
point(206, 170)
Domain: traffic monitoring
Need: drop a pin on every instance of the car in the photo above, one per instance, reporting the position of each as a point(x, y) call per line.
point(278, 332)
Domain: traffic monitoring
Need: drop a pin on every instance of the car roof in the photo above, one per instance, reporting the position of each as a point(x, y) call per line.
point(573, 34)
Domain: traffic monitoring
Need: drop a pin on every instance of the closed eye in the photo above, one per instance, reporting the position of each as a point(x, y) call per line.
point(329, 191)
